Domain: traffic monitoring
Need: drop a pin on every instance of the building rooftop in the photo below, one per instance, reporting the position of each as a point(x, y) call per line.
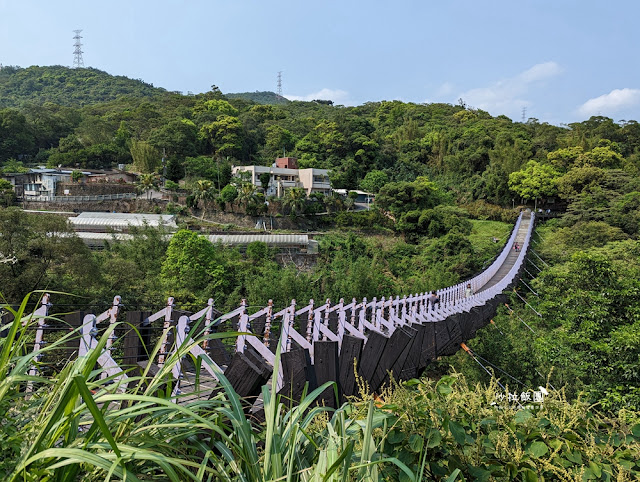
point(122, 220)
point(299, 241)
point(270, 239)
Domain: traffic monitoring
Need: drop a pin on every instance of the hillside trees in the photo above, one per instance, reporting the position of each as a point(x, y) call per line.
point(145, 157)
point(192, 270)
point(400, 197)
point(536, 180)
point(46, 255)
point(374, 181)
point(16, 137)
point(223, 135)
point(179, 139)
point(591, 302)
point(7, 196)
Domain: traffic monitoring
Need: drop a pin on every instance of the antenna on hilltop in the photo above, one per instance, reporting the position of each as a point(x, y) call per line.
point(524, 114)
point(279, 91)
point(77, 53)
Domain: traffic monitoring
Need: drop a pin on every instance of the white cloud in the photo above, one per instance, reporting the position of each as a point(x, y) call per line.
point(445, 89)
point(614, 101)
point(336, 95)
point(508, 96)
point(539, 72)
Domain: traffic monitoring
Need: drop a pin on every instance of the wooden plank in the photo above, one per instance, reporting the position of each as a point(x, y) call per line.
point(412, 362)
point(132, 348)
point(333, 321)
point(475, 320)
point(428, 350)
point(349, 357)
point(392, 351)
point(396, 368)
point(244, 376)
point(296, 365)
point(218, 352)
point(371, 353)
point(258, 360)
point(257, 325)
point(442, 337)
point(455, 330)
point(325, 362)
point(465, 321)
point(73, 322)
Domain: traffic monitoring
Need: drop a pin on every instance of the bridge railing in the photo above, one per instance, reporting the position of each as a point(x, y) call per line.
point(267, 328)
point(453, 294)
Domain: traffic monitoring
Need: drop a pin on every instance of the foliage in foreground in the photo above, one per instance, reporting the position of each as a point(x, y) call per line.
point(439, 427)
point(77, 425)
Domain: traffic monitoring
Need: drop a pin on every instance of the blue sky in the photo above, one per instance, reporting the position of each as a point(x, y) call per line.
point(562, 60)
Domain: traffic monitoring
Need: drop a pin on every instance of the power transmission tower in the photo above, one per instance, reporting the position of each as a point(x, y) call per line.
point(524, 114)
point(279, 92)
point(77, 53)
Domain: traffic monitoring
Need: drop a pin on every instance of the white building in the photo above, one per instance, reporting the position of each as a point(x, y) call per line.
point(42, 182)
point(284, 174)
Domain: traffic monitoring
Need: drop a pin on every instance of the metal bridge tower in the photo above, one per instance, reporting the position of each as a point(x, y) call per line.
point(78, 62)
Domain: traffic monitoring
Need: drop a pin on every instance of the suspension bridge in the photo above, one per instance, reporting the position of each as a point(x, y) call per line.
point(319, 342)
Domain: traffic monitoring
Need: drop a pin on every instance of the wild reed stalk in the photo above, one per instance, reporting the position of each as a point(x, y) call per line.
point(77, 425)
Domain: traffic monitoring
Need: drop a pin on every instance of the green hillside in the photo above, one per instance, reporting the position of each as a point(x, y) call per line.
point(66, 86)
point(267, 98)
point(448, 182)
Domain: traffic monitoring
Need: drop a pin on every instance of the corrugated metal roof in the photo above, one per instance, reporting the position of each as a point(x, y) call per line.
point(270, 239)
point(122, 220)
point(104, 236)
point(226, 239)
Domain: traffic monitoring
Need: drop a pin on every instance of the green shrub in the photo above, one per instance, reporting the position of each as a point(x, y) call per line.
point(442, 426)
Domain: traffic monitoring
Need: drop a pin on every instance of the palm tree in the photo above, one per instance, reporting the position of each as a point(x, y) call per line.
point(295, 199)
point(203, 192)
point(146, 182)
point(246, 194)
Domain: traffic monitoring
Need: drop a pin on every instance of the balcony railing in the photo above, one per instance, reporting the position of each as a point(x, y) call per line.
point(99, 197)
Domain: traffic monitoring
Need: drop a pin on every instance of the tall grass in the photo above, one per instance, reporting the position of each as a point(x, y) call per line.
point(76, 425)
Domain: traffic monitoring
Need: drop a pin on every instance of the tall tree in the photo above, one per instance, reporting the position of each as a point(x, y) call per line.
point(203, 193)
point(145, 157)
point(536, 180)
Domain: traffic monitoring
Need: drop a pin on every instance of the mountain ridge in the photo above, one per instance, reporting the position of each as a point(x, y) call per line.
point(69, 87)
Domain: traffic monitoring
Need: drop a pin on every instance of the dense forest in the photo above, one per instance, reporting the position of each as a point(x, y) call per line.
point(448, 181)
point(259, 97)
point(466, 151)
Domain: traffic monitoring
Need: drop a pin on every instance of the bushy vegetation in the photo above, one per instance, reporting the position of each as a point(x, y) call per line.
point(76, 425)
point(69, 87)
